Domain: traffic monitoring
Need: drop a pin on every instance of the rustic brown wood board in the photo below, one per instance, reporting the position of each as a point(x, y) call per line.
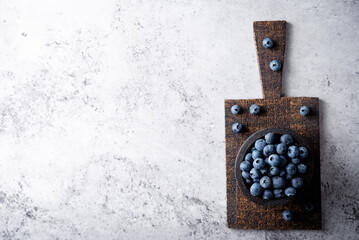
point(276, 111)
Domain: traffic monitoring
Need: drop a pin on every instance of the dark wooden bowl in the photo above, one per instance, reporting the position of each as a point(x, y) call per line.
point(249, 143)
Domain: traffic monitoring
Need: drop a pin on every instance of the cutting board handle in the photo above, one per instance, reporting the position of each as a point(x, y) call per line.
point(276, 31)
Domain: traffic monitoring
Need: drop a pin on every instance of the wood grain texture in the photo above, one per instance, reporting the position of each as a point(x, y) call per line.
point(276, 111)
point(271, 80)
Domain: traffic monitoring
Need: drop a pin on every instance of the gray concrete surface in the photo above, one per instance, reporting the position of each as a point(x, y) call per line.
point(112, 123)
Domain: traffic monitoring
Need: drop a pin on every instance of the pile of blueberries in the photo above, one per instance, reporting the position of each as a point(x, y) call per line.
point(274, 167)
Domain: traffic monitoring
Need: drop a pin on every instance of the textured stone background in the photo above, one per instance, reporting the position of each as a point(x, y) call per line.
point(112, 120)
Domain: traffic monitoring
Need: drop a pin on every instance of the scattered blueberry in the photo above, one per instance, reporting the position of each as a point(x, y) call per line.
point(282, 173)
point(256, 189)
point(237, 127)
point(268, 150)
point(274, 171)
point(293, 151)
point(281, 148)
point(267, 43)
point(290, 192)
point(256, 180)
point(258, 163)
point(255, 173)
point(278, 182)
point(245, 166)
point(275, 65)
point(235, 109)
point(291, 169)
point(297, 182)
point(254, 109)
point(265, 182)
point(304, 111)
point(308, 206)
point(267, 194)
point(270, 138)
point(303, 152)
point(260, 144)
point(286, 139)
point(287, 215)
point(274, 160)
point(302, 168)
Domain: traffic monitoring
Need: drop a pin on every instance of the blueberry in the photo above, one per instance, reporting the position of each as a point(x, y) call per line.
point(256, 189)
point(283, 161)
point(274, 171)
point(290, 192)
point(256, 180)
point(291, 169)
point(304, 111)
point(270, 138)
point(268, 150)
point(287, 215)
point(275, 65)
point(254, 109)
point(235, 109)
point(274, 160)
point(245, 166)
point(253, 148)
point(303, 152)
point(249, 181)
point(281, 148)
point(278, 182)
point(286, 139)
point(297, 182)
point(265, 182)
point(266, 160)
point(264, 171)
point(245, 174)
point(293, 151)
point(308, 206)
point(278, 193)
point(255, 173)
point(256, 154)
point(248, 157)
point(267, 43)
point(260, 144)
point(282, 173)
point(302, 168)
point(258, 163)
point(288, 176)
point(237, 127)
point(267, 194)
point(295, 161)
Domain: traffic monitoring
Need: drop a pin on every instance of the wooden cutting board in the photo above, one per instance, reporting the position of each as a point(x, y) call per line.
point(276, 111)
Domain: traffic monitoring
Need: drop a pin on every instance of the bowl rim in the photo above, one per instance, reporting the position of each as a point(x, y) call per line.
point(249, 142)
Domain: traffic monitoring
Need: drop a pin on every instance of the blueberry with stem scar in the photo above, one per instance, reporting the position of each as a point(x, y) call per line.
point(275, 65)
point(235, 109)
point(237, 127)
point(254, 109)
point(287, 215)
point(267, 43)
point(304, 111)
